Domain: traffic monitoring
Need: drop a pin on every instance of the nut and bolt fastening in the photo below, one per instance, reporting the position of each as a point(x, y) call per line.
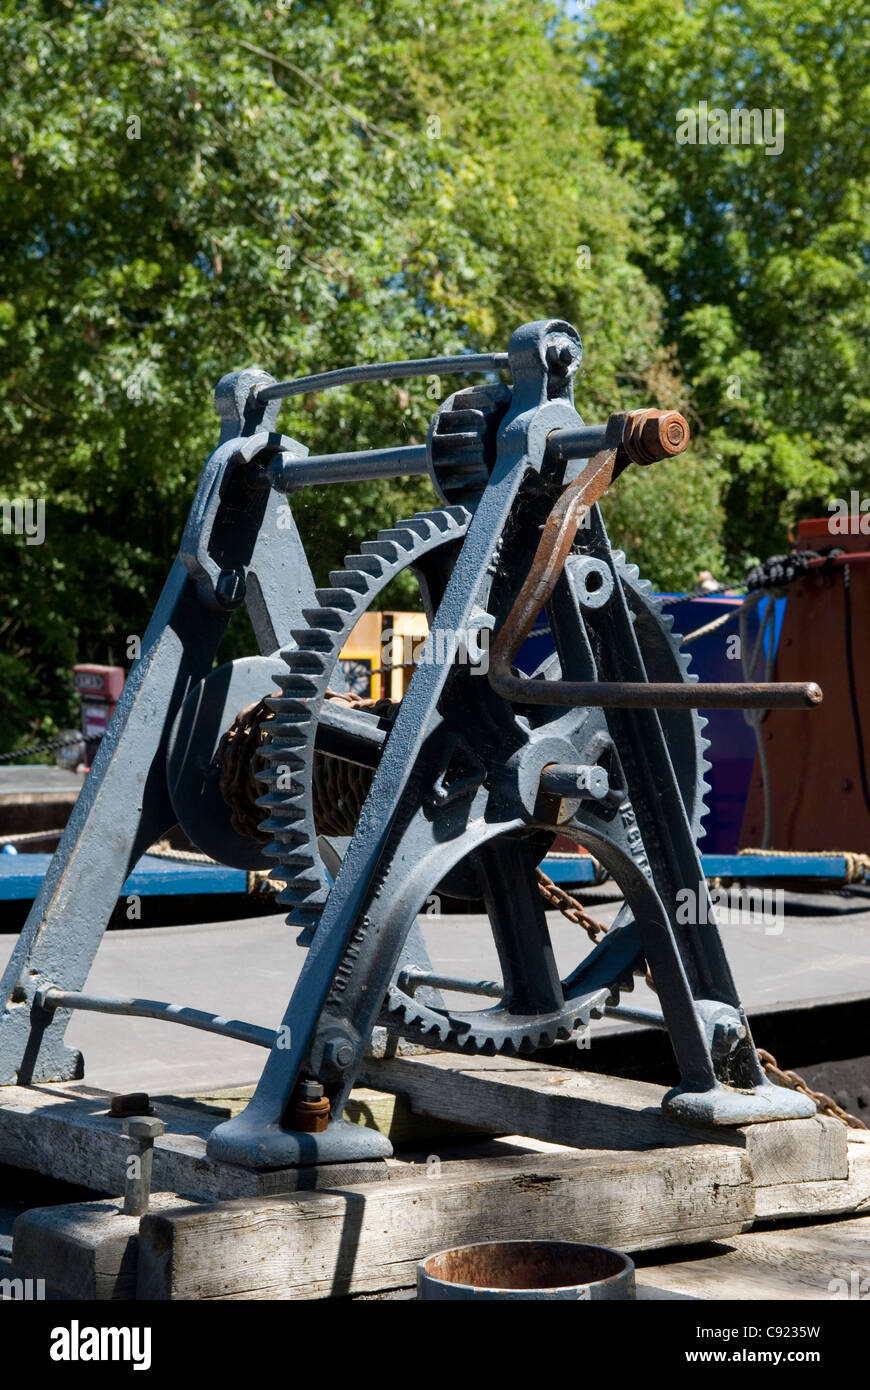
point(143, 1130)
point(651, 435)
point(311, 1108)
point(338, 1053)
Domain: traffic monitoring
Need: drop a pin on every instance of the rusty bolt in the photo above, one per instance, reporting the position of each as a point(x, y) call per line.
point(311, 1108)
point(651, 435)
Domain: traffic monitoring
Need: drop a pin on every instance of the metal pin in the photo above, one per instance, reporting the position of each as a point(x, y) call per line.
point(143, 1130)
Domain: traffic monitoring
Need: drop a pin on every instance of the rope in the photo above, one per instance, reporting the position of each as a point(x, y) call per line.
point(749, 602)
point(857, 864)
point(161, 849)
point(26, 835)
point(781, 570)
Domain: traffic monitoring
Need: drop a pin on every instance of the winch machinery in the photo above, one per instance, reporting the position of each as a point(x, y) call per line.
point(459, 789)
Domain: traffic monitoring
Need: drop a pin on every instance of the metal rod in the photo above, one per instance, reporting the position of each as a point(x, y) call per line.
point(154, 1008)
point(386, 371)
point(143, 1130)
point(579, 442)
point(286, 474)
point(352, 735)
point(413, 979)
point(628, 1015)
point(660, 694)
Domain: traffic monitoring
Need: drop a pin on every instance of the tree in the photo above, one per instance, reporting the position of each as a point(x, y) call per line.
point(191, 188)
point(762, 256)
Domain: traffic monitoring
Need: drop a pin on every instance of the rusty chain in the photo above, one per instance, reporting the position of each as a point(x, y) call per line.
point(795, 1082)
point(569, 906)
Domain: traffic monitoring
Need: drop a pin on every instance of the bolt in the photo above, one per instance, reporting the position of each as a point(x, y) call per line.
point(311, 1108)
point(339, 1054)
point(310, 1090)
point(726, 1036)
point(230, 589)
point(563, 358)
point(651, 435)
point(142, 1130)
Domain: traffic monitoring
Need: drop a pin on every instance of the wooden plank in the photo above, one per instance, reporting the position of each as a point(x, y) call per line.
point(830, 1261)
point(784, 1152)
point(369, 1238)
point(591, 1110)
point(64, 1130)
point(781, 1201)
point(83, 1250)
point(390, 1114)
point(584, 1109)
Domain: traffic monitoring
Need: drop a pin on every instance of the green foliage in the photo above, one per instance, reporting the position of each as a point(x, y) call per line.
point(763, 258)
point(191, 188)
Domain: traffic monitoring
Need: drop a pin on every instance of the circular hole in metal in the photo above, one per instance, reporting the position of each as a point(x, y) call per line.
point(533, 1267)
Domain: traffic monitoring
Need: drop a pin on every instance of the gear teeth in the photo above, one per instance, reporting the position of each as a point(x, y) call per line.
point(388, 550)
point(420, 525)
point(352, 581)
point(406, 539)
point(299, 685)
point(269, 775)
point(339, 597)
point(326, 619)
point(302, 687)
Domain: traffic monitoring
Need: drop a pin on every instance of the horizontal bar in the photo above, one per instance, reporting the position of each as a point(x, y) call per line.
point(576, 442)
point(628, 1015)
point(581, 868)
point(351, 735)
point(52, 999)
point(386, 371)
point(656, 694)
point(762, 865)
point(286, 473)
point(413, 979)
point(575, 780)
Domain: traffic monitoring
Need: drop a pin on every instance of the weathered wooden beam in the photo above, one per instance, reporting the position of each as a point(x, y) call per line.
point(370, 1237)
point(590, 1110)
point(64, 1130)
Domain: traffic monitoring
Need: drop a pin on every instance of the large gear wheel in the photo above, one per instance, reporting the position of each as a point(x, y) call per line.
point(291, 744)
point(289, 750)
